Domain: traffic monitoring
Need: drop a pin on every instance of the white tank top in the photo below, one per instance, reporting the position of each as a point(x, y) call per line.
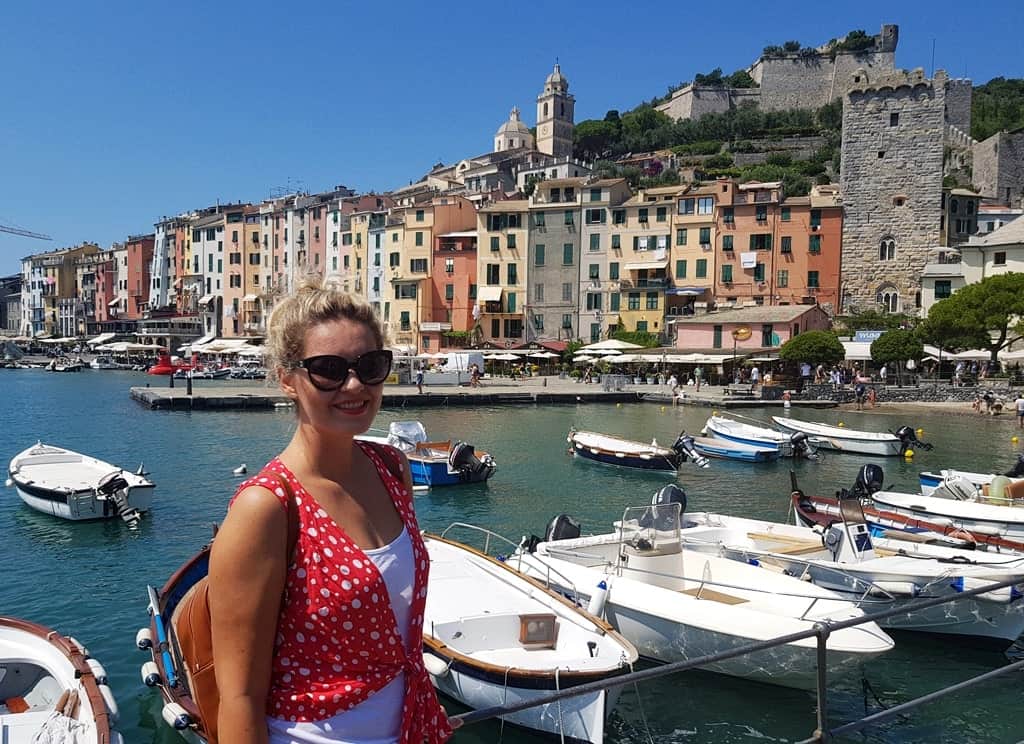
point(378, 719)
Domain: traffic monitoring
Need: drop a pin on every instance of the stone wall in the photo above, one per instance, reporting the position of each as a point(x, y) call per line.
point(891, 181)
point(999, 167)
point(796, 81)
point(912, 394)
point(958, 103)
point(690, 102)
point(799, 148)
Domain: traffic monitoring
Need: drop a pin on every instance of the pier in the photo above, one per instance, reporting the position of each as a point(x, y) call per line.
point(494, 392)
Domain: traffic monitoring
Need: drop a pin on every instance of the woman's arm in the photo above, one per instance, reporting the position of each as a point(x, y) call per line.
point(247, 575)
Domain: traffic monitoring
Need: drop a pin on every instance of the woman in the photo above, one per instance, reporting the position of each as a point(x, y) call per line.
point(324, 645)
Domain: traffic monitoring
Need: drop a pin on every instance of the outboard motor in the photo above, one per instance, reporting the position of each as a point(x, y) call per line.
point(802, 446)
point(907, 438)
point(660, 515)
point(114, 488)
point(1017, 471)
point(684, 446)
point(562, 527)
point(869, 481)
point(463, 460)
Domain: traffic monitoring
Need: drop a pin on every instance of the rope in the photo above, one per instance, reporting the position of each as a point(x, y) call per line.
point(561, 724)
point(640, 707)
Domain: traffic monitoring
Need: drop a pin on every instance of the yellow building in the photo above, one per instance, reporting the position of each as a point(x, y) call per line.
point(692, 264)
point(642, 230)
point(501, 272)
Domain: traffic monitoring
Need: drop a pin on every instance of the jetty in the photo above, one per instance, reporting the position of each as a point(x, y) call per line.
point(214, 395)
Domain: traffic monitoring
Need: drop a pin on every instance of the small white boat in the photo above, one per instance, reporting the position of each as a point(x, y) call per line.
point(439, 463)
point(788, 445)
point(727, 449)
point(51, 690)
point(627, 453)
point(974, 517)
point(1007, 489)
point(675, 604)
point(70, 485)
point(878, 573)
point(104, 362)
point(492, 636)
point(853, 441)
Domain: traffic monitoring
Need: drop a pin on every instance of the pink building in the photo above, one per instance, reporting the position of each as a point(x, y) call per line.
point(769, 327)
point(139, 249)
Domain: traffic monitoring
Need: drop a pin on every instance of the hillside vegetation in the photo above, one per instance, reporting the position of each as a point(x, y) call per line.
point(997, 105)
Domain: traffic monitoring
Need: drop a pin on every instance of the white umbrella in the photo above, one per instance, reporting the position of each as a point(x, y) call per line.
point(583, 358)
point(539, 355)
point(438, 355)
point(505, 357)
point(611, 343)
point(605, 352)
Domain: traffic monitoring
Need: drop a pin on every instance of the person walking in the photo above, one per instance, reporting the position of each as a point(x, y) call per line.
point(1019, 405)
point(419, 378)
point(698, 373)
point(755, 377)
point(318, 576)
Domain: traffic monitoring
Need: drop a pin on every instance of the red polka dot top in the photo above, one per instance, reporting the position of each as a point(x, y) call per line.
point(337, 638)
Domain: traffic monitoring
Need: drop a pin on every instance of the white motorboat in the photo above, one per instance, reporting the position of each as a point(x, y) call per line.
point(51, 690)
point(676, 604)
point(850, 440)
point(492, 636)
point(788, 445)
point(973, 517)
point(1006, 489)
point(878, 573)
point(104, 362)
point(70, 485)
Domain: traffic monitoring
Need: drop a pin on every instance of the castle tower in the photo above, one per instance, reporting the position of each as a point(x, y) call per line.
point(891, 176)
point(555, 109)
point(513, 134)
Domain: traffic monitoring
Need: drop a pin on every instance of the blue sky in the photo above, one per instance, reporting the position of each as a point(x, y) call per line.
point(116, 113)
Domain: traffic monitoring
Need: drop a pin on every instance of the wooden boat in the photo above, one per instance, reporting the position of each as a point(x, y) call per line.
point(166, 670)
point(492, 636)
point(974, 517)
point(853, 441)
point(675, 604)
point(444, 463)
point(729, 450)
point(627, 453)
point(70, 485)
point(788, 445)
point(49, 686)
point(877, 572)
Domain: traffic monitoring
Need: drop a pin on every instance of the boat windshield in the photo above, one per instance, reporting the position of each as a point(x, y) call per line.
point(652, 527)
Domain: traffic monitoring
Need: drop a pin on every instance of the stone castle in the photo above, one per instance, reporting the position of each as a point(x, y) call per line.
point(804, 79)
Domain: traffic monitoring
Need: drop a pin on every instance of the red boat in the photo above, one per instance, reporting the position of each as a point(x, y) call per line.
point(165, 366)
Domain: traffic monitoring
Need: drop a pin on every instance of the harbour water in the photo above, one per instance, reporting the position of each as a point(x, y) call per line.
point(89, 579)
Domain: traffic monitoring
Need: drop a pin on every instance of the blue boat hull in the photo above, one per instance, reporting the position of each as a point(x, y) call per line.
point(436, 473)
point(725, 452)
point(749, 442)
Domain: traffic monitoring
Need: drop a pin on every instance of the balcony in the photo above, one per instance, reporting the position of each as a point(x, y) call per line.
point(653, 283)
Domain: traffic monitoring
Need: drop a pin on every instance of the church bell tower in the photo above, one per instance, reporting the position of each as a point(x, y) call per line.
point(555, 116)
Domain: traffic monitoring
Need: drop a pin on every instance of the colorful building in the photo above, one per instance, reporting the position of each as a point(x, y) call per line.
point(642, 228)
point(452, 292)
point(747, 329)
point(501, 272)
point(552, 268)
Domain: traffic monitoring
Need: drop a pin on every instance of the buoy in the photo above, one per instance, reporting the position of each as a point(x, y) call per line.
point(617, 405)
point(176, 716)
point(150, 674)
point(580, 400)
point(1014, 440)
point(714, 413)
point(598, 598)
point(10, 483)
point(920, 432)
point(841, 424)
point(240, 470)
point(144, 639)
point(909, 454)
point(663, 409)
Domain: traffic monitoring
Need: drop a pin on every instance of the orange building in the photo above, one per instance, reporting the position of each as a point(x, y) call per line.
point(773, 250)
point(452, 291)
point(139, 259)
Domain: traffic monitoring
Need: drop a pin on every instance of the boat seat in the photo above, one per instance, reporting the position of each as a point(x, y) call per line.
point(44, 694)
point(703, 592)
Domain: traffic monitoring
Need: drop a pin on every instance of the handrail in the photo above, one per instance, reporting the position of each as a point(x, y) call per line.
point(820, 631)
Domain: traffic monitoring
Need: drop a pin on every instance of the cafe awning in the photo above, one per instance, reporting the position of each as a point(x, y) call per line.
point(688, 291)
point(250, 298)
point(489, 294)
point(206, 298)
point(642, 265)
point(101, 339)
point(115, 301)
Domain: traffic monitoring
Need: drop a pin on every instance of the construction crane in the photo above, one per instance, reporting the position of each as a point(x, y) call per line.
point(23, 233)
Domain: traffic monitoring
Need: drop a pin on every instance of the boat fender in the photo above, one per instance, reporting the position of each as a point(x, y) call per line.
point(8, 482)
point(598, 599)
point(1005, 595)
point(151, 674)
point(110, 703)
point(97, 671)
point(144, 639)
point(436, 666)
point(894, 589)
point(176, 717)
point(79, 645)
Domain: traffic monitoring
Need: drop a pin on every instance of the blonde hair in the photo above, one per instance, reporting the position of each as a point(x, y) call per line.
point(313, 302)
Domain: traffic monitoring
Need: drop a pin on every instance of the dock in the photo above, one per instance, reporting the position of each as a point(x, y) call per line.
point(209, 395)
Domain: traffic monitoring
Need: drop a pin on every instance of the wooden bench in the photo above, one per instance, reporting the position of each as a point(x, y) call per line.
point(791, 545)
point(702, 592)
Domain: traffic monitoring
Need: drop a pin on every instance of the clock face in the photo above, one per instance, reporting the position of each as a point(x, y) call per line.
point(545, 129)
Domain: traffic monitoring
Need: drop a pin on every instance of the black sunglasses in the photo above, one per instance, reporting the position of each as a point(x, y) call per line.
point(329, 372)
